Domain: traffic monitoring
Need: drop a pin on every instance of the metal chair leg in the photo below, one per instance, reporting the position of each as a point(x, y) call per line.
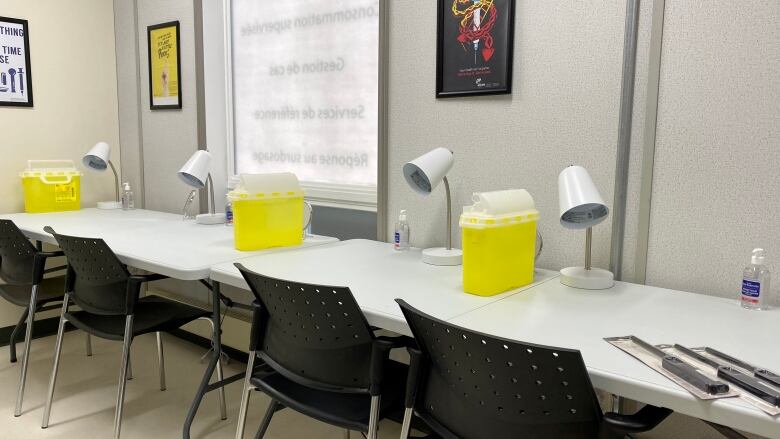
point(57, 351)
point(267, 419)
point(222, 407)
point(26, 355)
point(120, 398)
point(15, 333)
point(248, 388)
point(373, 422)
point(407, 424)
point(88, 344)
point(161, 360)
point(129, 368)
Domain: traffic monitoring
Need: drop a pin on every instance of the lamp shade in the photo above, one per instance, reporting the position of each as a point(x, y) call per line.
point(581, 205)
point(97, 158)
point(196, 171)
point(426, 172)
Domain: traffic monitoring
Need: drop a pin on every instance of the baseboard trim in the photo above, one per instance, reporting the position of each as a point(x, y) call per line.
point(233, 353)
point(48, 327)
point(42, 328)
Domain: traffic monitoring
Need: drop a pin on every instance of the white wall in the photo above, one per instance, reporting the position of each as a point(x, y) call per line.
point(716, 185)
point(75, 100)
point(129, 96)
point(563, 110)
point(75, 103)
point(169, 137)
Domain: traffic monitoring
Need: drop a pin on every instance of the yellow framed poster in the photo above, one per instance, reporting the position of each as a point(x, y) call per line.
point(164, 66)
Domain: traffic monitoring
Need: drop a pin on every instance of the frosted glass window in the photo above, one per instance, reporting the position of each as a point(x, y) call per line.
point(305, 89)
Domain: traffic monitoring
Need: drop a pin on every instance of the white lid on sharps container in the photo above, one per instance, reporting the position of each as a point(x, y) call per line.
point(499, 208)
point(758, 257)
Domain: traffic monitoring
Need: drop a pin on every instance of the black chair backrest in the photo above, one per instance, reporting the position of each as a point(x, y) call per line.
point(97, 280)
point(479, 386)
point(17, 255)
point(314, 335)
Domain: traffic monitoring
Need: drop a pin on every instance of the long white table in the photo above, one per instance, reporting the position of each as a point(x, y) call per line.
point(545, 312)
point(153, 241)
point(554, 314)
point(549, 313)
point(158, 242)
point(377, 275)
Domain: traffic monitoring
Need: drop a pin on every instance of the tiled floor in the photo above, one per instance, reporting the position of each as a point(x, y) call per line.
point(86, 392)
point(85, 396)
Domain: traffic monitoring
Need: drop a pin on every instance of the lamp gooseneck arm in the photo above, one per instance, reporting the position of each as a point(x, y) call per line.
point(210, 184)
point(449, 213)
point(116, 180)
point(588, 244)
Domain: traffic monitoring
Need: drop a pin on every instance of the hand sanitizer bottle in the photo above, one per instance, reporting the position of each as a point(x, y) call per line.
point(755, 282)
point(401, 240)
point(128, 202)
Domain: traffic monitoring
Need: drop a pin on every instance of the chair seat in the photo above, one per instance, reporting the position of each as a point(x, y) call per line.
point(152, 314)
point(347, 410)
point(50, 290)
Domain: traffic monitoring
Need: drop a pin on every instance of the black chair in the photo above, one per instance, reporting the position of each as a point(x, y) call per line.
point(108, 296)
point(321, 357)
point(468, 385)
point(22, 269)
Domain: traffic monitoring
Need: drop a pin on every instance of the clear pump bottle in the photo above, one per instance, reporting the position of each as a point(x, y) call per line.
point(401, 237)
point(755, 282)
point(128, 200)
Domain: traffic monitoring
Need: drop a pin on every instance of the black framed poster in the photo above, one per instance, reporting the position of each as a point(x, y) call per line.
point(164, 66)
point(15, 75)
point(474, 47)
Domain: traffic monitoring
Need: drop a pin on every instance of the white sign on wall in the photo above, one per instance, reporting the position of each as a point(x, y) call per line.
point(305, 88)
point(15, 77)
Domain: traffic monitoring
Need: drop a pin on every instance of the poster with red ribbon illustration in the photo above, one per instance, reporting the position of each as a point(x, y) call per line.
point(475, 45)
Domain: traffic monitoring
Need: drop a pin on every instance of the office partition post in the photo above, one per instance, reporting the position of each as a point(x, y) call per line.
point(624, 138)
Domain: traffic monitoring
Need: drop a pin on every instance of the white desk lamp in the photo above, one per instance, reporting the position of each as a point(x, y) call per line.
point(582, 207)
point(99, 159)
point(423, 175)
point(195, 173)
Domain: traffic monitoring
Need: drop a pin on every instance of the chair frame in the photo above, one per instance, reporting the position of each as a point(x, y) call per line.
point(132, 296)
point(618, 424)
point(33, 306)
point(381, 348)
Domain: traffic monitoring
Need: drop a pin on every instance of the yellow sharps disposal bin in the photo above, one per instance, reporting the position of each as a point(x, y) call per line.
point(499, 241)
point(51, 186)
point(267, 211)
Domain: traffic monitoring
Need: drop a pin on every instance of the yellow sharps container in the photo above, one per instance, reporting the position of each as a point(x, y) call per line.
point(51, 186)
point(499, 241)
point(267, 211)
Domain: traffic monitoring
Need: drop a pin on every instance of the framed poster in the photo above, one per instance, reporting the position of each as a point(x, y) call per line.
point(164, 66)
point(15, 75)
point(474, 47)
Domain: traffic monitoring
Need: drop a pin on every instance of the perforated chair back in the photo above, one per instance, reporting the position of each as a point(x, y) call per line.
point(97, 279)
point(17, 255)
point(312, 334)
point(478, 386)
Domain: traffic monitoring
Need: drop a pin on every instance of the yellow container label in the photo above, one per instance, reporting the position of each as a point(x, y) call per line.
point(64, 193)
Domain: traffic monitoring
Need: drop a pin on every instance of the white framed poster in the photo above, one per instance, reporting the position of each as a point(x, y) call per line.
point(15, 75)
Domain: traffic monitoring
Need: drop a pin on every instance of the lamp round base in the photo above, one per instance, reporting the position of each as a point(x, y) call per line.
point(109, 205)
point(593, 279)
point(442, 256)
point(208, 219)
